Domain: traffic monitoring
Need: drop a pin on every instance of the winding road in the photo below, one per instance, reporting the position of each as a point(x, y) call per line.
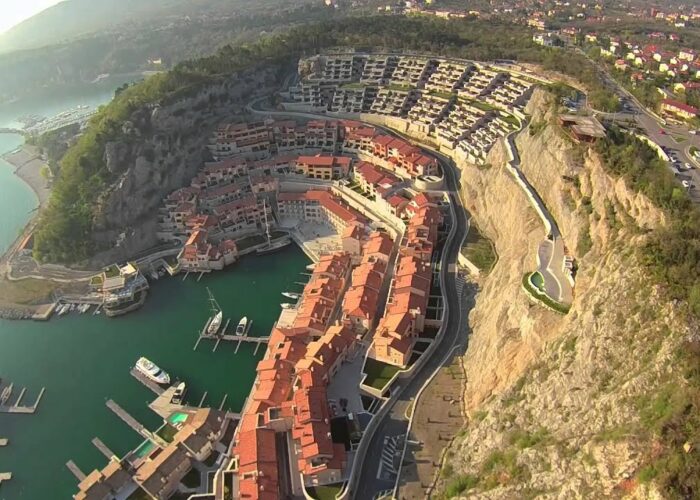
point(364, 482)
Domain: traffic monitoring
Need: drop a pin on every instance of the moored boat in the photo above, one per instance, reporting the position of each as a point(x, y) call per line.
point(242, 327)
point(291, 295)
point(152, 371)
point(179, 394)
point(215, 323)
point(6, 393)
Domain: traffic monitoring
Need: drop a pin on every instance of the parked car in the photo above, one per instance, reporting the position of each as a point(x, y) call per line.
point(686, 184)
point(687, 166)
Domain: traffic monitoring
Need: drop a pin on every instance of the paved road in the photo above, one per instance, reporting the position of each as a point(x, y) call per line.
point(404, 391)
point(676, 139)
point(395, 422)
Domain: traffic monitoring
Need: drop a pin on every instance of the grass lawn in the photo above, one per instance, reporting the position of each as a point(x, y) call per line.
point(479, 250)
point(167, 432)
point(328, 492)
point(443, 95)
point(192, 479)
point(378, 373)
point(530, 282)
point(112, 271)
point(26, 292)
point(484, 106)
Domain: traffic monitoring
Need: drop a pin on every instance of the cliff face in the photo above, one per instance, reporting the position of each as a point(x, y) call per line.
point(160, 151)
point(554, 400)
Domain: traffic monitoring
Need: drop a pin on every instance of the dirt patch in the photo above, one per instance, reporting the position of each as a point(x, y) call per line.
point(438, 419)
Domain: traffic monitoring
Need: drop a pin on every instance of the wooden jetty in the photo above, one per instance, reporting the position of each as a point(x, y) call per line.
point(104, 450)
point(79, 475)
point(17, 408)
point(128, 419)
point(157, 389)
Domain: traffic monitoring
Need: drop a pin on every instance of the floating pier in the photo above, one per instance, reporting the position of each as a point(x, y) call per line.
point(230, 338)
point(223, 401)
point(5, 476)
point(157, 389)
point(163, 406)
point(104, 450)
point(128, 419)
point(79, 475)
point(204, 396)
point(17, 408)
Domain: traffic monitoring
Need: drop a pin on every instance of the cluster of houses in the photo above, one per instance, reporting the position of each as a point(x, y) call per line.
point(432, 94)
point(289, 398)
point(405, 315)
point(157, 467)
point(238, 194)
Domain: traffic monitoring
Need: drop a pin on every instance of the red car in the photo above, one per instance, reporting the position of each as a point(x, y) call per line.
point(663, 132)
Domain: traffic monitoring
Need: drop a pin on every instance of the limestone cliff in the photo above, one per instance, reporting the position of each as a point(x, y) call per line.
point(554, 400)
point(160, 150)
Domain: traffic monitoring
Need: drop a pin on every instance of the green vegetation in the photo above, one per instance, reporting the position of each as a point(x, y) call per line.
point(328, 492)
point(398, 87)
point(479, 250)
point(670, 415)
point(522, 439)
point(537, 281)
point(378, 374)
point(545, 299)
point(167, 432)
point(443, 95)
point(461, 484)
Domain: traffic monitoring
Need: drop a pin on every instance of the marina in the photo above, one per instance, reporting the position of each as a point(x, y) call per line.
point(51, 354)
point(7, 407)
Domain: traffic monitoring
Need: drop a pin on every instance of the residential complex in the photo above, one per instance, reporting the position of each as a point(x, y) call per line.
point(433, 96)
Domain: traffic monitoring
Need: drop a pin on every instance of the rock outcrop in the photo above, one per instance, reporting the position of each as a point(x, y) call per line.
point(554, 400)
point(160, 150)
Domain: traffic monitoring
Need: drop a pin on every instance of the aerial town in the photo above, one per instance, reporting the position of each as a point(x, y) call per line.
point(370, 249)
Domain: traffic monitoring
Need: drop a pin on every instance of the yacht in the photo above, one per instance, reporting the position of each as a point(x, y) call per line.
point(242, 327)
point(152, 371)
point(291, 295)
point(179, 394)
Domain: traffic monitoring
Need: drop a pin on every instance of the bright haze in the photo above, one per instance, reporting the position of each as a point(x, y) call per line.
point(13, 12)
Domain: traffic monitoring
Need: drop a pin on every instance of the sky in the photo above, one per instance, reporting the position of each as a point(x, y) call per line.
point(13, 12)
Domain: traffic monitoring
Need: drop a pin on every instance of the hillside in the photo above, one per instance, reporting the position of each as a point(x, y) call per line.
point(76, 18)
point(601, 402)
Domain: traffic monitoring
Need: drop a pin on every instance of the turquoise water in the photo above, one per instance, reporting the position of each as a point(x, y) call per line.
point(17, 200)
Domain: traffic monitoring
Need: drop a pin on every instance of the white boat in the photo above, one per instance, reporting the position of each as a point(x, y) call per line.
point(215, 323)
point(291, 295)
point(242, 327)
point(152, 371)
point(287, 306)
point(217, 316)
point(62, 309)
point(179, 394)
point(6, 393)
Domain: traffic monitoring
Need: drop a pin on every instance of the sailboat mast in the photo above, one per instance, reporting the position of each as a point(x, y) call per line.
point(215, 308)
point(267, 225)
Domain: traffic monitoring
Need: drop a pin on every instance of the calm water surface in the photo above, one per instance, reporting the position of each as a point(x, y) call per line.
point(85, 360)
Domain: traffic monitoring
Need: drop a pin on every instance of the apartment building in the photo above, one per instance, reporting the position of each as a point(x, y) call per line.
point(248, 140)
point(379, 69)
point(429, 109)
point(393, 102)
point(200, 255)
point(325, 167)
point(353, 98)
point(413, 71)
point(448, 76)
point(318, 206)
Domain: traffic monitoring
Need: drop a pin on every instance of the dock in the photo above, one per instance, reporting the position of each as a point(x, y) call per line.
point(157, 389)
point(5, 476)
point(222, 335)
point(162, 404)
point(17, 408)
point(104, 450)
point(75, 470)
point(134, 424)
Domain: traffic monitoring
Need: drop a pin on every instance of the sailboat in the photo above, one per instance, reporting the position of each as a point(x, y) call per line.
point(6, 393)
point(217, 316)
point(271, 247)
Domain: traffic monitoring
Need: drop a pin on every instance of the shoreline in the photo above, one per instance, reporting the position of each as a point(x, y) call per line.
point(27, 165)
